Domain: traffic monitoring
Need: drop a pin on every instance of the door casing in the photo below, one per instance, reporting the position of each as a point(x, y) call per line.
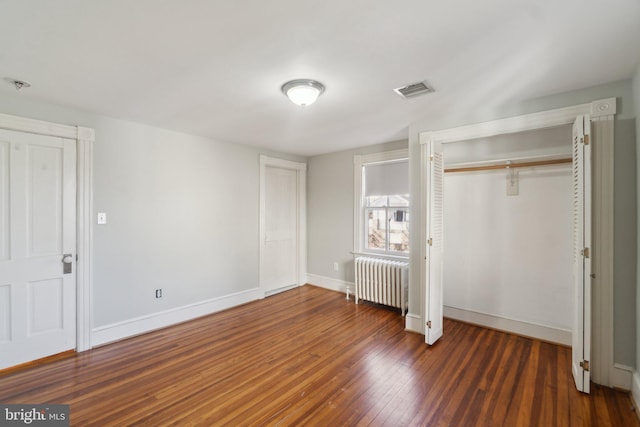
point(301, 169)
point(84, 138)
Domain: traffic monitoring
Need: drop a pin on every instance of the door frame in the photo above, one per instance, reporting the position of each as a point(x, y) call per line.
point(84, 138)
point(602, 112)
point(301, 174)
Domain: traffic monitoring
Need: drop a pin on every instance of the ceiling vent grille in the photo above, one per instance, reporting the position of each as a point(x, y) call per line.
point(414, 89)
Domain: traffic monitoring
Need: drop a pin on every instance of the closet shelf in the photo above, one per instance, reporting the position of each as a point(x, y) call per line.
point(509, 165)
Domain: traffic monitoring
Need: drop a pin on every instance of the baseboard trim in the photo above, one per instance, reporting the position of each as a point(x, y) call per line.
point(413, 323)
point(279, 290)
point(635, 391)
point(545, 333)
point(330, 283)
point(621, 376)
point(140, 325)
point(37, 362)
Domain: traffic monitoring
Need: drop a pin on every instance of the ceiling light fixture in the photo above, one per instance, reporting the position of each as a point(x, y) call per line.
point(302, 92)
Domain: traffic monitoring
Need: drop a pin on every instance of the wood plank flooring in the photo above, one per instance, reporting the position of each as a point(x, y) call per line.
point(310, 357)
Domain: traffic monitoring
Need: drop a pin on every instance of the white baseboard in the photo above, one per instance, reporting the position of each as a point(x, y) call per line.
point(140, 325)
point(279, 290)
point(330, 283)
point(545, 333)
point(413, 323)
point(621, 376)
point(635, 389)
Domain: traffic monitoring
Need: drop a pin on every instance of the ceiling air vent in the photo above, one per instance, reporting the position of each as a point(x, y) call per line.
point(414, 89)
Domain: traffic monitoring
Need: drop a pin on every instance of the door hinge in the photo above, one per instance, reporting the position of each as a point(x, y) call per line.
point(584, 364)
point(586, 140)
point(430, 241)
point(429, 325)
point(431, 157)
point(585, 252)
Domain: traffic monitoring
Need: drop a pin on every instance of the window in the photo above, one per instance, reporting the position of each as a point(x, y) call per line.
point(387, 223)
point(382, 203)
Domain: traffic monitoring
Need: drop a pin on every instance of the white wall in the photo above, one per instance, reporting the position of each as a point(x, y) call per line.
point(182, 214)
point(554, 141)
point(636, 102)
point(330, 215)
point(510, 256)
point(624, 240)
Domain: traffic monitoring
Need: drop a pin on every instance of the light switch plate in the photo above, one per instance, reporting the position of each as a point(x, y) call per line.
point(102, 218)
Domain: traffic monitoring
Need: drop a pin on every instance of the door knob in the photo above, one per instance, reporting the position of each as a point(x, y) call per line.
point(67, 259)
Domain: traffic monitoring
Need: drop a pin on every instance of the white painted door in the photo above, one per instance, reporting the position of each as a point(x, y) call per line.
point(280, 251)
point(37, 227)
point(434, 250)
point(581, 336)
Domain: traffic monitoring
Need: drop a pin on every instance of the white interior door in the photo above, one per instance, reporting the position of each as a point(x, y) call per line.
point(434, 250)
point(280, 246)
point(581, 334)
point(37, 229)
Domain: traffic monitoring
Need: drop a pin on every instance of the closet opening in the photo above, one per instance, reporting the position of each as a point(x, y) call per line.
point(591, 230)
point(508, 232)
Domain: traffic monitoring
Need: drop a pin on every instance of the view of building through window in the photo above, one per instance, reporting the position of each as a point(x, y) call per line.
point(387, 223)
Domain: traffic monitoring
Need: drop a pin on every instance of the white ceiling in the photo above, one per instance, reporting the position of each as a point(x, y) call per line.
point(215, 67)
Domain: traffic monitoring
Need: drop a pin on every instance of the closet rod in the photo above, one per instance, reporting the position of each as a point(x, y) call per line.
point(510, 165)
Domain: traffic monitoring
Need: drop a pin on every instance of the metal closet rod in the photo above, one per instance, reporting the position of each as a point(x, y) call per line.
point(511, 165)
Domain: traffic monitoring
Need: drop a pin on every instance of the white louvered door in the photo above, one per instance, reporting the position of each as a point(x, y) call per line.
point(37, 229)
point(581, 334)
point(434, 250)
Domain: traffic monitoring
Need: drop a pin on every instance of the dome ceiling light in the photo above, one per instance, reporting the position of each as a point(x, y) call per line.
point(302, 92)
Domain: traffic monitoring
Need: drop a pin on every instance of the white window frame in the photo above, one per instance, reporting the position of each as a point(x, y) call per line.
point(388, 210)
point(359, 225)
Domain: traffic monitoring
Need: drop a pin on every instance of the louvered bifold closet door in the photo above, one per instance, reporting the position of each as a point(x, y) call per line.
point(435, 198)
point(581, 207)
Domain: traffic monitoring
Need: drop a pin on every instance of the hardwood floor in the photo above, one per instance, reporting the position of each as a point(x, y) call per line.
point(309, 357)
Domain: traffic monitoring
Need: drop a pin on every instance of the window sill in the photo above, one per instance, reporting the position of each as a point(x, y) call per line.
point(382, 255)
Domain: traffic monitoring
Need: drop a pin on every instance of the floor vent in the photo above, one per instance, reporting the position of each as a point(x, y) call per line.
point(414, 89)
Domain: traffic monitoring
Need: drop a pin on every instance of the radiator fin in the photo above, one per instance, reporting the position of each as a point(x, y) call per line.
point(382, 281)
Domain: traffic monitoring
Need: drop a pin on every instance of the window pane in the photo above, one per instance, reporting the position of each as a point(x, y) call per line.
point(376, 201)
point(376, 228)
point(399, 230)
point(399, 200)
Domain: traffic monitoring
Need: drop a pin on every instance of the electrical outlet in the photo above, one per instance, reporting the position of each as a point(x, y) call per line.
point(158, 293)
point(336, 266)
